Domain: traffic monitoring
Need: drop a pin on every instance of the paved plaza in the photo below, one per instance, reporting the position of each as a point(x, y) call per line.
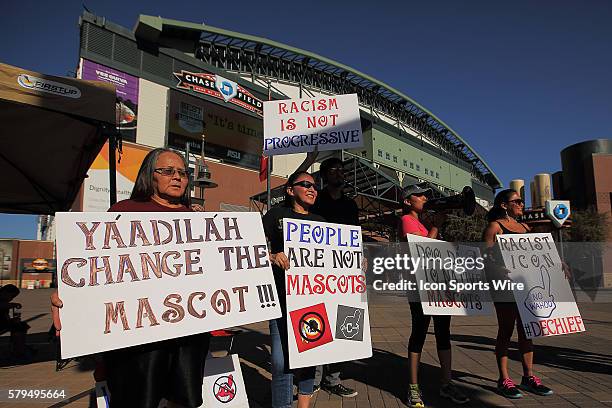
point(578, 367)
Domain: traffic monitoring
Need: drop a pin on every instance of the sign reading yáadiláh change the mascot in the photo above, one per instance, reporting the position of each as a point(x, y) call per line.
point(327, 308)
point(301, 125)
point(134, 278)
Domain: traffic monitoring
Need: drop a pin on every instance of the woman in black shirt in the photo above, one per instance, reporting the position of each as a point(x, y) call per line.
point(300, 195)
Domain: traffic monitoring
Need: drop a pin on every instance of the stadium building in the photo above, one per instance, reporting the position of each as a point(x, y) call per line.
point(177, 81)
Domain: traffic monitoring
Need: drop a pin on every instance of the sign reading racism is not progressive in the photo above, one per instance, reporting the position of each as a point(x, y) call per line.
point(135, 278)
point(301, 125)
point(546, 305)
point(327, 308)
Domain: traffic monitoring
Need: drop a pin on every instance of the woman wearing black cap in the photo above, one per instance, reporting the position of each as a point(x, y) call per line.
point(415, 198)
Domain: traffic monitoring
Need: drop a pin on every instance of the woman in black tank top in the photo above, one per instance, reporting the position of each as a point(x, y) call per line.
point(507, 207)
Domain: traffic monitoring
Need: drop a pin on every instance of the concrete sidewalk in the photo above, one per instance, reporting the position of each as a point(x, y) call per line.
point(577, 367)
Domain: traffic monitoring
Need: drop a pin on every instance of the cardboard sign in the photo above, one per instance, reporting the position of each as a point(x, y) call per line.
point(546, 303)
point(133, 278)
point(327, 307)
point(223, 384)
point(300, 125)
point(450, 278)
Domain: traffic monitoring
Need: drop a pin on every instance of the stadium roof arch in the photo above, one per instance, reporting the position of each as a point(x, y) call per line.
point(261, 57)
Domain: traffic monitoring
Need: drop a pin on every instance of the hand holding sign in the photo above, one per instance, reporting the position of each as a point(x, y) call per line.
point(540, 301)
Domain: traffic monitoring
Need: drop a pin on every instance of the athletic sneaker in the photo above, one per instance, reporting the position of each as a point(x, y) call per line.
point(414, 397)
point(452, 392)
point(534, 384)
point(508, 389)
point(341, 390)
point(316, 388)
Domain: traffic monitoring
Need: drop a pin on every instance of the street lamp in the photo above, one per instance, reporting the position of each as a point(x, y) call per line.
point(203, 176)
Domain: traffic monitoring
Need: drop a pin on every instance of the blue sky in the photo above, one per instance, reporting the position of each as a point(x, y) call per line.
point(519, 80)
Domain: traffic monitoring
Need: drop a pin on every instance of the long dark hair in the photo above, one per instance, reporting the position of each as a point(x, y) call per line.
point(497, 212)
point(288, 202)
point(143, 187)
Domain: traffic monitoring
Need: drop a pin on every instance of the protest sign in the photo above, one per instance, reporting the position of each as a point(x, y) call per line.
point(327, 308)
point(134, 278)
point(300, 125)
point(450, 278)
point(223, 384)
point(546, 303)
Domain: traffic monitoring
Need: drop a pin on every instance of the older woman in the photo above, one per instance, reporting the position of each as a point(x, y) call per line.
point(142, 376)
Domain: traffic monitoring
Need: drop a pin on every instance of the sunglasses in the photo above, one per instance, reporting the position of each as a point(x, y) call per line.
point(518, 201)
point(305, 184)
point(169, 172)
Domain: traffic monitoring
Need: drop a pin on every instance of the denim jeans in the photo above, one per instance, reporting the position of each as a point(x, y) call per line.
point(332, 375)
point(282, 376)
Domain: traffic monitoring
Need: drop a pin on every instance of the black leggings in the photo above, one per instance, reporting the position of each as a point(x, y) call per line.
point(420, 324)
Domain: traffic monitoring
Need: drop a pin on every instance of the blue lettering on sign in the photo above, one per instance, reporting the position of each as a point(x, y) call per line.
point(328, 235)
point(561, 212)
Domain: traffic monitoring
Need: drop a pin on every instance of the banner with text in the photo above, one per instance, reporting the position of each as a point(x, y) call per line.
point(449, 277)
point(134, 278)
point(327, 307)
point(546, 305)
point(300, 125)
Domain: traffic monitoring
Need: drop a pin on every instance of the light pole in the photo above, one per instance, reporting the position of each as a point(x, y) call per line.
point(203, 179)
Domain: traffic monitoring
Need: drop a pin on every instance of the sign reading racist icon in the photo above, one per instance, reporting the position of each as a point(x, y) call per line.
point(223, 384)
point(546, 302)
point(301, 125)
point(327, 308)
point(133, 278)
point(450, 278)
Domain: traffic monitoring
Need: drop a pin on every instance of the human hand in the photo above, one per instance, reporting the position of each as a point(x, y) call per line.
point(280, 259)
point(56, 304)
point(197, 208)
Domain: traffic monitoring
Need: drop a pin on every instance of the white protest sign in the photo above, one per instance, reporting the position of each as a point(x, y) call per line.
point(450, 278)
point(300, 125)
point(223, 384)
point(327, 307)
point(134, 278)
point(546, 304)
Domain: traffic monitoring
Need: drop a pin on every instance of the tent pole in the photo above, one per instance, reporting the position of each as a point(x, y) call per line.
point(112, 168)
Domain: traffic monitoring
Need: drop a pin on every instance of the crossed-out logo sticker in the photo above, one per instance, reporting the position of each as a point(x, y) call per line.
point(45, 85)
point(310, 327)
point(349, 323)
point(219, 87)
point(224, 388)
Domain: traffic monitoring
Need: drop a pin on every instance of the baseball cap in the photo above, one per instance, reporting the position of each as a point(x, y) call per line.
point(414, 189)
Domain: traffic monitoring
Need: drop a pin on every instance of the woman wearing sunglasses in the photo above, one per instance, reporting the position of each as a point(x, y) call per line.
point(415, 198)
point(507, 207)
point(300, 195)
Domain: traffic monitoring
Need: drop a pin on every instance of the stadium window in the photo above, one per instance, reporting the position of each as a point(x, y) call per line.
point(437, 175)
point(411, 165)
point(387, 156)
point(405, 163)
point(394, 159)
point(379, 153)
point(418, 168)
point(426, 172)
